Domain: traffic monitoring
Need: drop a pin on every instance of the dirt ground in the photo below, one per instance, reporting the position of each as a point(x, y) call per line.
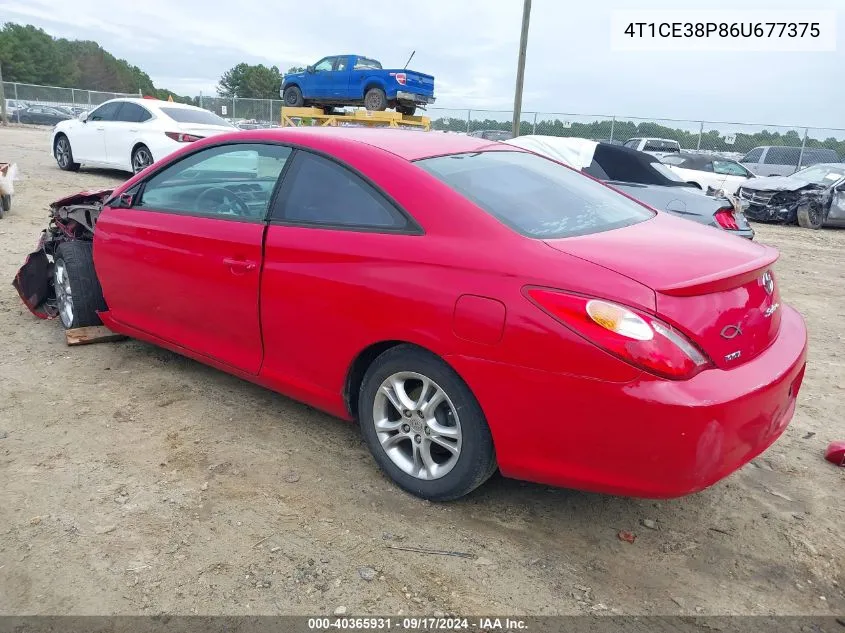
point(135, 481)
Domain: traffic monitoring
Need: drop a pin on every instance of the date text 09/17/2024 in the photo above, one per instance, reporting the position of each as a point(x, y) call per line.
point(363, 623)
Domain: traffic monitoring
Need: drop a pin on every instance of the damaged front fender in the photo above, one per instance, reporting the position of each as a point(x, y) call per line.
point(71, 218)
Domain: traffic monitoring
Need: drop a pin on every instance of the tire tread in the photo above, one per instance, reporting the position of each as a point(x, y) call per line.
point(86, 291)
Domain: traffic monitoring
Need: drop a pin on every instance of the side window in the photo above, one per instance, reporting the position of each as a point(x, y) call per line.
point(729, 168)
point(632, 143)
point(228, 181)
point(105, 112)
point(753, 156)
point(318, 191)
point(782, 156)
point(324, 64)
point(133, 113)
point(342, 64)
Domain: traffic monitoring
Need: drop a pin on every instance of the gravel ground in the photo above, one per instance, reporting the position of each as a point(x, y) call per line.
point(138, 482)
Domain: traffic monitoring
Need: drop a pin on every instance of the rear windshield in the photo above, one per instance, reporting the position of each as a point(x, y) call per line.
point(656, 145)
point(198, 117)
point(535, 196)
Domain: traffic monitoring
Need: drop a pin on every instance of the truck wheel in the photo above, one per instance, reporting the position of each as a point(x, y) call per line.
point(375, 99)
point(407, 110)
point(293, 97)
point(78, 293)
point(810, 216)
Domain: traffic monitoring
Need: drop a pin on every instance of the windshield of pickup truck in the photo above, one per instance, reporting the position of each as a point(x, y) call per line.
point(535, 196)
point(364, 63)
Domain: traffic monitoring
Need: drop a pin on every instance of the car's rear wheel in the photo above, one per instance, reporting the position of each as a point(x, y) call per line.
point(64, 154)
point(810, 216)
point(293, 97)
point(142, 158)
point(78, 293)
point(375, 99)
point(423, 425)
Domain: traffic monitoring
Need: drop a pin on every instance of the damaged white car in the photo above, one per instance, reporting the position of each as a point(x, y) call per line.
point(812, 198)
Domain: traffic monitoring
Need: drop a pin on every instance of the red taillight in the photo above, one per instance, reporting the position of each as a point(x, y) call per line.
point(726, 219)
point(401, 78)
point(180, 137)
point(633, 336)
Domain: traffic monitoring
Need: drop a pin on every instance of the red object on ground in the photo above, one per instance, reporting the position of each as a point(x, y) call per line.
point(628, 537)
point(835, 453)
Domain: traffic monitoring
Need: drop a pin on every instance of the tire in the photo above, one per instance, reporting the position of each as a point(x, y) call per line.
point(810, 216)
point(375, 99)
point(5, 204)
point(141, 158)
point(293, 97)
point(64, 154)
point(454, 473)
point(407, 110)
point(73, 270)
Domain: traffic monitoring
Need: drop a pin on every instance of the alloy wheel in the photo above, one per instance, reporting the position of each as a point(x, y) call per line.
point(64, 295)
point(417, 425)
point(141, 159)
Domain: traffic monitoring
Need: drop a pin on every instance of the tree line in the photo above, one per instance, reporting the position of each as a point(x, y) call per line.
point(712, 140)
point(30, 55)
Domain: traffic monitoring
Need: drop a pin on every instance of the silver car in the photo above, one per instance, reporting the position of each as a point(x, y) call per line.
point(772, 160)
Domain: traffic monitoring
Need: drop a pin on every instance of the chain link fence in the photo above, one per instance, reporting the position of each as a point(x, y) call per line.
point(19, 96)
point(732, 140)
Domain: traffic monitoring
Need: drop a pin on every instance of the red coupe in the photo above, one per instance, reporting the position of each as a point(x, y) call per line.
point(473, 305)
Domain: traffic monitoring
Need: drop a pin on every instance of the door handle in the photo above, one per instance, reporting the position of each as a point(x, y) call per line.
point(100, 129)
point(134, 130)
point(239, 266)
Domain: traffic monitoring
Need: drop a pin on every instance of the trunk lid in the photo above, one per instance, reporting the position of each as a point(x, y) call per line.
point(709, 285)
point(198, 129)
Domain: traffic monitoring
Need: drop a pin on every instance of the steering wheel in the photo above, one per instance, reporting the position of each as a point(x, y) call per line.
point(224, 195)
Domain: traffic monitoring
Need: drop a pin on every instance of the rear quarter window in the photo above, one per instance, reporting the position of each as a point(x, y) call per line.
point(534, 196)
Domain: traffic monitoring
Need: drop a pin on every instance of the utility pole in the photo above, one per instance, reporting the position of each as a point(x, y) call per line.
point(4, 119)
point(520, 69)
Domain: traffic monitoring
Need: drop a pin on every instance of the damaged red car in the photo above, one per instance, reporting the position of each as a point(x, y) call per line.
point(472, 305)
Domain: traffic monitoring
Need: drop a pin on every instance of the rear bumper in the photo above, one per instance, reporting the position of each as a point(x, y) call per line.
point(647, 438)
point(412, 97)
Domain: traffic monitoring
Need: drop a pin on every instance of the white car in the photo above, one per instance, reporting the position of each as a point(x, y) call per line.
point(712, 174)
point(659, 147)
point(131, 134)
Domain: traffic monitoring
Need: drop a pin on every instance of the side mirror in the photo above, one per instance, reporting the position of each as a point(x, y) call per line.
point(309, 69)
point(83, 117)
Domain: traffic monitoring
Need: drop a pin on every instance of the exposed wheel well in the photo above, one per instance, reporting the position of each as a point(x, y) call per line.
point(290, 85)
point(693, 183)
point(369, 87)
point(359, 367)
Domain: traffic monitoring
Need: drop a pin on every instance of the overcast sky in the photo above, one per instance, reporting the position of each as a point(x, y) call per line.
point(470, 46)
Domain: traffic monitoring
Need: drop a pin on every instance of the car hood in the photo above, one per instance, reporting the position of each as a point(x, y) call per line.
point(777, 183)
point(83, 197)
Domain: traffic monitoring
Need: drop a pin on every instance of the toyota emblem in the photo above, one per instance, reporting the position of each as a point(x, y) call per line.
point(731, 331)
point(768, 282)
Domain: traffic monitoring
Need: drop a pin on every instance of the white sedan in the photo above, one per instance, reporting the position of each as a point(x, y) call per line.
point(131, 134)
point(712, 174)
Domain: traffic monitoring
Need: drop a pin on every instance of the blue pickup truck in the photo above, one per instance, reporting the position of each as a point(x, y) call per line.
point(342, 80)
